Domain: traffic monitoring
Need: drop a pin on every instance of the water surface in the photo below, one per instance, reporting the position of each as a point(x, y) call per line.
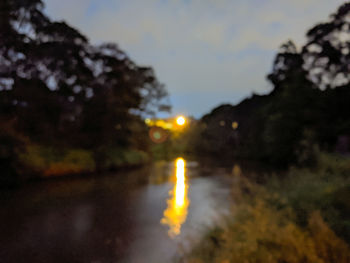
point(144, 215)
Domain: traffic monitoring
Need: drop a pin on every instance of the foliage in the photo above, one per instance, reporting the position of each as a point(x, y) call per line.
point(324, 188)
point(11, 143)
point(36, 157)
point(50, 162)
point(325, 54)
point(59, 90)
point(265, 235)
point(74, 161)
point(125, 157)
point(289, 116)
point(307, 109)
point(180, 142)
point(265, 223)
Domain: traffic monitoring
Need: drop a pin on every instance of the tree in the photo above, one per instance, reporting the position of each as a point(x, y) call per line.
point(59, 89)
point(327, 51)
point(49, 72)
point(309, 103)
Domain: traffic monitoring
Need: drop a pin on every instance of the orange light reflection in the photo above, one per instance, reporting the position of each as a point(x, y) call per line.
point(176, 212)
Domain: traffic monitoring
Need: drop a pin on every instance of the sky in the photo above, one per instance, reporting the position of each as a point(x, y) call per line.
point(206, 52)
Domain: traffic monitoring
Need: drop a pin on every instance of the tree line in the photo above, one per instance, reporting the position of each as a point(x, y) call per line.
point(307, 110)
point(58, 89)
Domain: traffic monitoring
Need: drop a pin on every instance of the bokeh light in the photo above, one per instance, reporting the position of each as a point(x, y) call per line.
point(180, 120)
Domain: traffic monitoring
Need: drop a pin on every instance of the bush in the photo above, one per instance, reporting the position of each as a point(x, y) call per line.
point(49, 162)
point(135, 157)
point(261, 233)
point(117, 157)
point(333, 164)
point(11, 143)
point(41, 160)
point(37, 158)
point(297, 219)
point(73, 162)
point(325, 187)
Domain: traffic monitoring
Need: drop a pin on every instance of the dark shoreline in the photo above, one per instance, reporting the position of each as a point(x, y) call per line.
point(30, 179)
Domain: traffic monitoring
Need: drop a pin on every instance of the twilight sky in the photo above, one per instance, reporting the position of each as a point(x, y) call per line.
point(206, 52)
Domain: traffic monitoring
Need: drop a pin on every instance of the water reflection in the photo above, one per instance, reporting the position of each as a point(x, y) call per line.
point(176, 212)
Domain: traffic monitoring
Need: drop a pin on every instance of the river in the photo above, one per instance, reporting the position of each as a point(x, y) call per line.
point(146, 215)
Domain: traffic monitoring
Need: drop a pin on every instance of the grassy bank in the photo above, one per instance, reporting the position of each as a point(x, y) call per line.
point(48, 161)
point(302, 217)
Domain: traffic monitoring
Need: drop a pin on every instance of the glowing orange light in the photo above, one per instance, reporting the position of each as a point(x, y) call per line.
point(176, 212)
point(159, 123)
point(180, 120)
point(234, 125)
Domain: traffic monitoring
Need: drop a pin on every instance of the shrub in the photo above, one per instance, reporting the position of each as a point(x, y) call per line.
point(49, 162)
point(135, 157)
point(11, 143)
point(325, 188)
point(261, 233)
point(264, 225)
point(73, 162)
point(37, 158)
point(118, 157)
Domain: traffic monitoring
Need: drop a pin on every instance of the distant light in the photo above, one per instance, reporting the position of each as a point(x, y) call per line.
point(180, 120)
point(162, 123)
point(234, 125)
point(222, 123)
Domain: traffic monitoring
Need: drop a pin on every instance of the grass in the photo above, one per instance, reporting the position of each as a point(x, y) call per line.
point(325, 188)
point(303, 217)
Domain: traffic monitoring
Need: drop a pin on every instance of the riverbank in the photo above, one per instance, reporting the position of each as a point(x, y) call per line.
point(302, 217)
point(38, 162)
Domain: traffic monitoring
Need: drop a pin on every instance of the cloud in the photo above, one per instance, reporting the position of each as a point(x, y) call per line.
point(218, 49)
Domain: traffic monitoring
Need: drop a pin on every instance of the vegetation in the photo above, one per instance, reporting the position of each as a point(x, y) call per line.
point(179, 142)
point(301, 218)
point(58, 91)
point(70, 107)
point(307, 109)
point(300, 214)
point(49, 162)
point(324, 188)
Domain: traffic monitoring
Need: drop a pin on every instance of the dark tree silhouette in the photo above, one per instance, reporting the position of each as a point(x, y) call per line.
point(58, 89)
point(49, 73)
point(327, 52)
point(308, 106)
